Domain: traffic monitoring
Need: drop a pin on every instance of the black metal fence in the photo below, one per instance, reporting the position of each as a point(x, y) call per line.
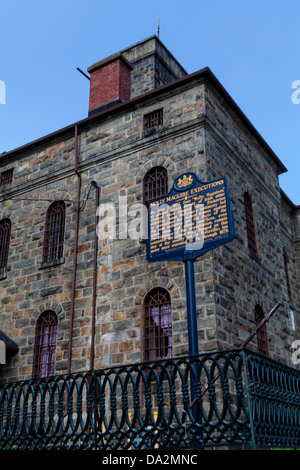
point(230, 397)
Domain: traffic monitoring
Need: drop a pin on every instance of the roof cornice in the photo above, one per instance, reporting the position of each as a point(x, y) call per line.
point(204, 74)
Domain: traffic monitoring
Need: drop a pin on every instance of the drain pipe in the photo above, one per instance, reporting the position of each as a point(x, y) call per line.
point(97, 197)
point(75, 251)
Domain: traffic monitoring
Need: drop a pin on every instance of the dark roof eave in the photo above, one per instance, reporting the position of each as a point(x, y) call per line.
point(13, 349)
point(203, 73)
point(246, 121)
point(10, 345)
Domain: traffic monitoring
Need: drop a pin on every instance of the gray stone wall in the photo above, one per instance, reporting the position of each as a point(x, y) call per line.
point(153, 66)
point(114, 152)
point(296, 220)
point(199, 134)
point(241, 281)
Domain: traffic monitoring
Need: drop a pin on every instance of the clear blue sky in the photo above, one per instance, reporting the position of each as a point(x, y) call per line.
point(252, 46)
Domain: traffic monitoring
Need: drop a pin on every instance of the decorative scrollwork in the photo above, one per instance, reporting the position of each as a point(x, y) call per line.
point(181, 402)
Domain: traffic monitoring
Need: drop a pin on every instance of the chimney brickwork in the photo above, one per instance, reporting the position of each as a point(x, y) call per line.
point(132, 72)
point(110, 82)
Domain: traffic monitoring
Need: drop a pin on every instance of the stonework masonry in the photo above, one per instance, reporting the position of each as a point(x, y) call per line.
point(204, 132)
point(154, 66)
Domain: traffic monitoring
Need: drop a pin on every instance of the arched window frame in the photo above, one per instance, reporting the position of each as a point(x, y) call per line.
point(54, 233)
point(251, 233)
point(45, 345)
point(157, 325)
point(262, 336)
point(155, 184)
point(5, 232)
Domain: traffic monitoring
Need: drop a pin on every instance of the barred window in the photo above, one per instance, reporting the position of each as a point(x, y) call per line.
point(153, 119)
point(286, 268)
point(5, 229)
point(54, 232)
point(262, 337)
point(250, 225)
point(45, 345)
point(155, 184)
point(6, 177)
point(157, 325)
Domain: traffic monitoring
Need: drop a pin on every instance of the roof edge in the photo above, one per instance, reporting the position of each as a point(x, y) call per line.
point(202, 73)
point(154, 36)
point(9, 343)
point(246, 121)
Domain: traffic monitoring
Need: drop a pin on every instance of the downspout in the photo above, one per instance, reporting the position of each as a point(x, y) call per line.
point(97, 197)
point(75, 250)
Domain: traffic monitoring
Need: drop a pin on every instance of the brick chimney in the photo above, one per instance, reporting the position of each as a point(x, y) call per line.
point(110, 82)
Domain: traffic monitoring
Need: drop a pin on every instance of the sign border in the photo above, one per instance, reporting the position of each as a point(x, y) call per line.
point(182, 254)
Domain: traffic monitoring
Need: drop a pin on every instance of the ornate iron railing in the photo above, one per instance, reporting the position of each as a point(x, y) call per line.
point(230, 397)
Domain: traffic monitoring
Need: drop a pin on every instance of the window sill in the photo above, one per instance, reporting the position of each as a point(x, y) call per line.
point(150, 132)
point(50, 264)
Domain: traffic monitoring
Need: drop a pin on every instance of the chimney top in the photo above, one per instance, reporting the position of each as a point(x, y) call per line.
point(108, 60)
point(110, 82)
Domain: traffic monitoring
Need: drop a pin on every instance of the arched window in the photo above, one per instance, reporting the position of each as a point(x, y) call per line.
point(155, 184)
point(157, 325)
point(262, 337)
point(45, 345)
point(250, 225)
point(54, 232)
point(5, 229)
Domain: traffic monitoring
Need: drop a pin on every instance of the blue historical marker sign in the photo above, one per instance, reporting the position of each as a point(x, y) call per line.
point(193, 218)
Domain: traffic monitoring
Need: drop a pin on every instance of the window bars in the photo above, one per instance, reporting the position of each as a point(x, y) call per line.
point(45, 345)
point(5, 229)
point(250, 225)
point(54, 232)
point(262, 337)
point(155, 184)
point(6, 177)
point(153, 119)
point(157, 325)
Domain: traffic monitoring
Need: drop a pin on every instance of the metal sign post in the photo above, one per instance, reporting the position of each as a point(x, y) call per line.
point(191, 305)
point(192, 322)
point(193, 218)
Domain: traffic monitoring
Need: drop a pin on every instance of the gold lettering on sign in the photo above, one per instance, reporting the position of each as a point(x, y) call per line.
point(181, 223)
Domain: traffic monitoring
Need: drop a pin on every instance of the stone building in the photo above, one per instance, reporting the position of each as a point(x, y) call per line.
point(71, 301)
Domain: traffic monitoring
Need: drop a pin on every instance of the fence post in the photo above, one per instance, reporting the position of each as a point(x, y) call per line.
point(250, 411)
